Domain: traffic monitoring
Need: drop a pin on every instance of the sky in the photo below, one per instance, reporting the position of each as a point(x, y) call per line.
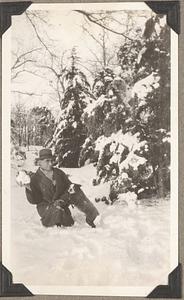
point(62, 31)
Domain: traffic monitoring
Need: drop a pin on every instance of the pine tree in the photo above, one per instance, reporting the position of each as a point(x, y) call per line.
point(151, 115)
point(106, 114)
point(70, 131)
point(135, 155)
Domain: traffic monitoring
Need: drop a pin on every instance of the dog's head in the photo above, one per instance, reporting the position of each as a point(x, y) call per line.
point(73, 188)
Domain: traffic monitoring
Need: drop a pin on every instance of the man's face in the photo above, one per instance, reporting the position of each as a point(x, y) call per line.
point(45, 164)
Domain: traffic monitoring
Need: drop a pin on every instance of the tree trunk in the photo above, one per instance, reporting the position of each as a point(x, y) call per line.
point(28, 140)
point(25, 134)
point(19, 137)
point(155, 178)
point(161, 188)
point(104, 50)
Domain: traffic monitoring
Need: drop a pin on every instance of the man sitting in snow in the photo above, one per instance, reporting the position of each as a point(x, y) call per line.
point(52, 192)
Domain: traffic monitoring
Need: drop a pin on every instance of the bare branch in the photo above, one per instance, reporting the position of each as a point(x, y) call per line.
point(57, 89)
point(92, 36)
point(118, 22)
point(23, 63)
point(38, 36)
point(28, 52)
point(110, 58)
point(23, 55)
point(26, 71)
point(37, 16)
point(34, 73)
point(27, 93)
point(91, 72)
point(50, 68)
point(94, 54)
point(58, 76)
point(16, 74)
point(91, 18)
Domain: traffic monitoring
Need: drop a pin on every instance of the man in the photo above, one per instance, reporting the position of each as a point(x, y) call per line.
point(52, 192)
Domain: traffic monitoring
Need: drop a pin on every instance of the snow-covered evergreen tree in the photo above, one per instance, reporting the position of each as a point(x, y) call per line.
point(70, 132)
point(135, 155)
point(108, 112)
point(151, 102)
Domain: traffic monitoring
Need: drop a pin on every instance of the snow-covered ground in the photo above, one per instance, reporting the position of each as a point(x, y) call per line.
point(129, 247)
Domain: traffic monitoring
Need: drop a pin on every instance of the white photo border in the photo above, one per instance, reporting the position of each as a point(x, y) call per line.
point(6, 192)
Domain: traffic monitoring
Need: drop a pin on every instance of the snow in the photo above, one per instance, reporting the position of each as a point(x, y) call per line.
point(132, 160)
point(22, 178)
point(143, 50)
point(108, 78)
point(124, 175)
point(87, 140)
point(74, 124)
point(140, 190)
point(127, 198)
point(146, 85)
point(92, 106)
point(166, 139)
point(62, 124)
point(66, 154)
point(117, 142)
point(129, 247)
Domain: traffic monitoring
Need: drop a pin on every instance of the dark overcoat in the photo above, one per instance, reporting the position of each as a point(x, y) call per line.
point(44, 193)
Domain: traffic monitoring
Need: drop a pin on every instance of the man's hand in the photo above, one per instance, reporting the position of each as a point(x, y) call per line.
point(59, 203)
point(27, 186)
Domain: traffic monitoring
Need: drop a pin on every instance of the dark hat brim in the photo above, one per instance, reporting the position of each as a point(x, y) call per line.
point(46, 157)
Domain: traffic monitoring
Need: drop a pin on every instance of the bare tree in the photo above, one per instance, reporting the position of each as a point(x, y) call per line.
point(44, 62)
point(19, 121)
point(40, 61)
point(102, 55)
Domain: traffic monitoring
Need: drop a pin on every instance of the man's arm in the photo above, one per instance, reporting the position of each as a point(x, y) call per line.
point(33, 192)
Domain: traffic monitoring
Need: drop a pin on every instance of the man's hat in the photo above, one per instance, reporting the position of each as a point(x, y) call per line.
point(45, 154)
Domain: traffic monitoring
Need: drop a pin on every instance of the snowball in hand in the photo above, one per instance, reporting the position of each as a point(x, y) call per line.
point(22, 178)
